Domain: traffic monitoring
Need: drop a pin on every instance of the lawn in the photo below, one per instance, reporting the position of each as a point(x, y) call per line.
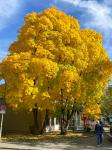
point(45, 137)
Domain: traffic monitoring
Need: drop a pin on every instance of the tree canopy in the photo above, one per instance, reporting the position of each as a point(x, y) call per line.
point(54, 63)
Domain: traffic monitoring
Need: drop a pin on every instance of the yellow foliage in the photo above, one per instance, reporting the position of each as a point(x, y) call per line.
point(93, 110)
point(2, 90)
point(43, 68)
point(67, 79)
point(53, 60)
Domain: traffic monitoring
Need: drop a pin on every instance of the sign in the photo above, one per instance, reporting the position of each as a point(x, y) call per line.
point(2, 109)
point(2, 112)
point(1, 124)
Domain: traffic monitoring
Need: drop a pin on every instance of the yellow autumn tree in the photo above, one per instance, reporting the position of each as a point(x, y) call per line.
point(55, 64)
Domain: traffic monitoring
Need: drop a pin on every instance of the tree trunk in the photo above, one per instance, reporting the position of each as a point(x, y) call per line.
point(44, 123)
point(35, 127)
point(65, 121)
point(35, 114)
point(62, 124)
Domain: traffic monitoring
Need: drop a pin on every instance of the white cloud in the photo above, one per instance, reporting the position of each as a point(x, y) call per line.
point(100, 13)
point(75, 2)
point(8, 9)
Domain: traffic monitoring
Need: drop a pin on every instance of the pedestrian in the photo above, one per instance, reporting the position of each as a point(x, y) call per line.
point(99, 132)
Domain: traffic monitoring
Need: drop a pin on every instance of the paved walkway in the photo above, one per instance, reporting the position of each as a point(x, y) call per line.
point(88, 143)
point(76, 144)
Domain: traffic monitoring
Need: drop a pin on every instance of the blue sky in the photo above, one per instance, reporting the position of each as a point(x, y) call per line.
point(93, 14)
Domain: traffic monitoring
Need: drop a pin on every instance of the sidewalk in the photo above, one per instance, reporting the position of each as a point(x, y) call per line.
point(73, 144)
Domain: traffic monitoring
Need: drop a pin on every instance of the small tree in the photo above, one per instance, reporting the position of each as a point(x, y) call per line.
point(106, 101)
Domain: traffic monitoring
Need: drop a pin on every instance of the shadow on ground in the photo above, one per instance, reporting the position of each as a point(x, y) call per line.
point(75, 141)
